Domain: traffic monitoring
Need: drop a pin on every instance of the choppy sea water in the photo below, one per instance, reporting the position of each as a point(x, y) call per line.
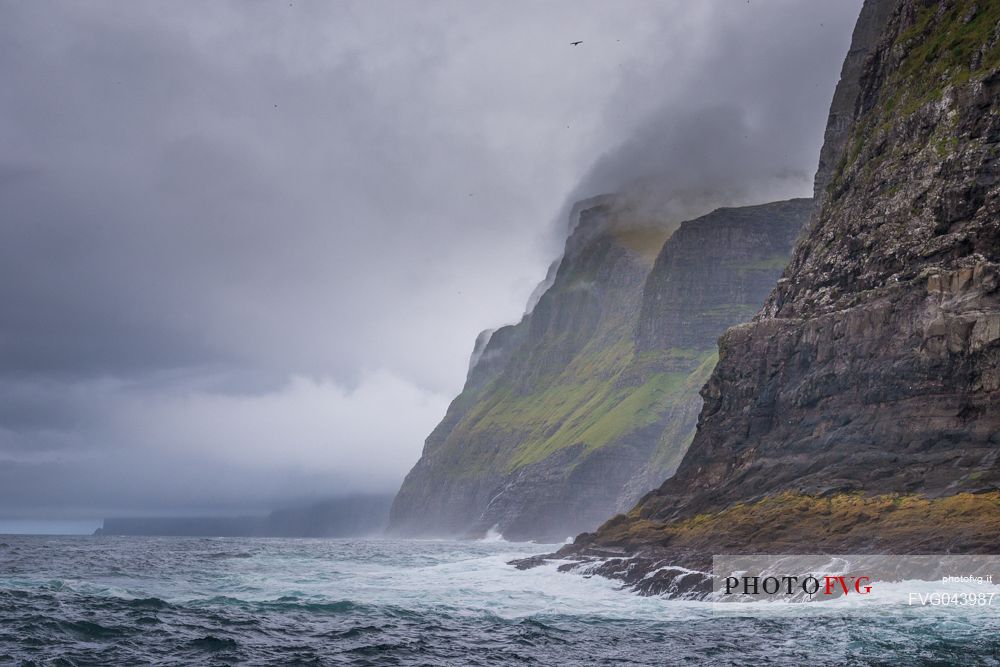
point(180, 601)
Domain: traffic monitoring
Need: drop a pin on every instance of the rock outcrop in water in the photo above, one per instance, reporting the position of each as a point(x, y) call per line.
point(860, 410)
point(572, 414)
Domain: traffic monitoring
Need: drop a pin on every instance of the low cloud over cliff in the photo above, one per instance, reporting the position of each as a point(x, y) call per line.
point(246, 248)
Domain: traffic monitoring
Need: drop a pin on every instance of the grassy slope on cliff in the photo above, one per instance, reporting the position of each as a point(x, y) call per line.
point(605, 392)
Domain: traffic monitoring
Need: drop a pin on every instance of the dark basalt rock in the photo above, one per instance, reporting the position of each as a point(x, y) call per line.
point(713, 271)
point(653, 572)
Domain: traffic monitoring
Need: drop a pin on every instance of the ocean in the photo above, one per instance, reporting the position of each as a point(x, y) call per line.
point(232, 601)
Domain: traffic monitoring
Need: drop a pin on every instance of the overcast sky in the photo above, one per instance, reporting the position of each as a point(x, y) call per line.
point(246, 247)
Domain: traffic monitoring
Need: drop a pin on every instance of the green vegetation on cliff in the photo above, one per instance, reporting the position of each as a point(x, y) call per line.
point(591, 409)
point(945, 45)
point(949, 44)
point(602, 395)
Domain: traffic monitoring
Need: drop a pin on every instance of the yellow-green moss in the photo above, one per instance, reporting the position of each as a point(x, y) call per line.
point(842, 520)
point(605, 393)
point(644, 241)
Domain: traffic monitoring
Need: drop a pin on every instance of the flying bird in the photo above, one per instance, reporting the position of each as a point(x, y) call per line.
point(575, 43)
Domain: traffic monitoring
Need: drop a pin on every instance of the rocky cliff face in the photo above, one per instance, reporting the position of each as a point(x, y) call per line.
point(860, 410)
point(714, 273)
point(570, 415)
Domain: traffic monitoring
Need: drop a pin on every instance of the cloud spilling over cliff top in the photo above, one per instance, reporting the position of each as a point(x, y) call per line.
point(246, 247)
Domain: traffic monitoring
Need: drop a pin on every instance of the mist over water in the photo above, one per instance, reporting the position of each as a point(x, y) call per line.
point(180, 601)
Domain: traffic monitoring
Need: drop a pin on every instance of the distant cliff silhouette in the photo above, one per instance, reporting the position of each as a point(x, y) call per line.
point(352, 516)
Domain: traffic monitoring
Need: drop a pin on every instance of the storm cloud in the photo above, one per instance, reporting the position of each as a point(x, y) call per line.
point(246, 248)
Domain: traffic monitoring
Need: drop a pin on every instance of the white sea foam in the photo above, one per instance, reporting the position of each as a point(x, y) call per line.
point(493, 535)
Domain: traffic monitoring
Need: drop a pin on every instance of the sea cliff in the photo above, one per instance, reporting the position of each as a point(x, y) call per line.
point(572, 414)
